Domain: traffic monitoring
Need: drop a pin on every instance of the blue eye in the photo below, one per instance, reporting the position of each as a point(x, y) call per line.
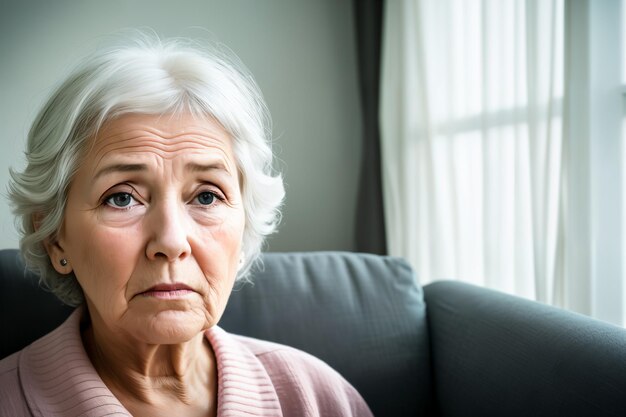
point(120, 200)
point(206, 198)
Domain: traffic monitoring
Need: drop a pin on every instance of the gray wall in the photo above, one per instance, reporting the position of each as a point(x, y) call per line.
point(301, 52)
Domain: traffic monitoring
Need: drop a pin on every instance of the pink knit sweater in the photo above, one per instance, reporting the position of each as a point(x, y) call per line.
point(54, 377)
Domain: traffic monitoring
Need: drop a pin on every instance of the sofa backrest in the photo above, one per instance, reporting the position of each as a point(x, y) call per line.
point(362, 314)
point(27, 311)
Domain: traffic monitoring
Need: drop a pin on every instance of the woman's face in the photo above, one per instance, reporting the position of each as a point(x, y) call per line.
point(153, 227)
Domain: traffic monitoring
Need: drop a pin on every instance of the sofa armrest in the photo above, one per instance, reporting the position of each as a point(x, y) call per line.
point(498, 355)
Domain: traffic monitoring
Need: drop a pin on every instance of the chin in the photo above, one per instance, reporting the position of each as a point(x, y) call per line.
point(173, 327)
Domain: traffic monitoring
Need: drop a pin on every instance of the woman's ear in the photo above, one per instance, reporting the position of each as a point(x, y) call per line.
point(242, 260)
point(57, 256)
point(55, 251)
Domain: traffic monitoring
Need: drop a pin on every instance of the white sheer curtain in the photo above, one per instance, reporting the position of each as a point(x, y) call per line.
point(502, 158)
point(471, 119)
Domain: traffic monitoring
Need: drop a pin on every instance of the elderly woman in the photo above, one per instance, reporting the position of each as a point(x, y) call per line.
point(148, 191)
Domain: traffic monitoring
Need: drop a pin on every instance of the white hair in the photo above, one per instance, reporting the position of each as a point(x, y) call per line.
point(149, 76)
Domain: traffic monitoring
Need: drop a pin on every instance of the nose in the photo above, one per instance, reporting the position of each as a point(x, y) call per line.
point(168, 231)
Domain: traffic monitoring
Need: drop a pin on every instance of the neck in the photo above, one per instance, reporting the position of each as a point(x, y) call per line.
point(145, 375)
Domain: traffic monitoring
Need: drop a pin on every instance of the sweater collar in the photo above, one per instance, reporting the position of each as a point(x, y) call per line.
point(244, 387)
point(58, 378)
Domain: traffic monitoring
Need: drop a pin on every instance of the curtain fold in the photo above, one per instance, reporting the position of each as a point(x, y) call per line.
point(370, 233)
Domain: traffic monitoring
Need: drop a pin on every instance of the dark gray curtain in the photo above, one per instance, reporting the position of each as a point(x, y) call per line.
point(370, 220)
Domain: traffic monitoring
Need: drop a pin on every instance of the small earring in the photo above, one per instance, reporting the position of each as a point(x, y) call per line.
point(242, 259)
point(63, 262)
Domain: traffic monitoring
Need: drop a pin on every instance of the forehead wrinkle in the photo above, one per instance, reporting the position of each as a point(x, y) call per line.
point(145, 135)
point(172, 141)
point(135, 126)
point(143, 129)
point(150, 145)
point(168, 152)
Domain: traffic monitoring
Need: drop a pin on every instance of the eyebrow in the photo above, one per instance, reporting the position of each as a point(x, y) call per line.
point(121, 168)
point(217, 166)
point(191, 167)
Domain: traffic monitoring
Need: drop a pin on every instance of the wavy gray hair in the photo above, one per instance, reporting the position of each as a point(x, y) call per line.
point(145, 75)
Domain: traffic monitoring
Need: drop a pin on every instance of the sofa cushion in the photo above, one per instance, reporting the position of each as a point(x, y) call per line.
point(362, 314)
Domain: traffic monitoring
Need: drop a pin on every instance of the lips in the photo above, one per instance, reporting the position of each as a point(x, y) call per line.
point(168, 291)
point(170, 287)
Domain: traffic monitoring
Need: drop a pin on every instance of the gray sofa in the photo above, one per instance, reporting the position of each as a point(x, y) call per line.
point(449, 349)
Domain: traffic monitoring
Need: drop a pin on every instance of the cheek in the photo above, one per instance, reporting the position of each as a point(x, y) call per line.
point(217, 250)
point(111, 246)
point(105, 260)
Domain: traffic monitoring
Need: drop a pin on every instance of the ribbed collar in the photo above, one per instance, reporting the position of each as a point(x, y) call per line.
point(244, 387)
point(58, 378)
